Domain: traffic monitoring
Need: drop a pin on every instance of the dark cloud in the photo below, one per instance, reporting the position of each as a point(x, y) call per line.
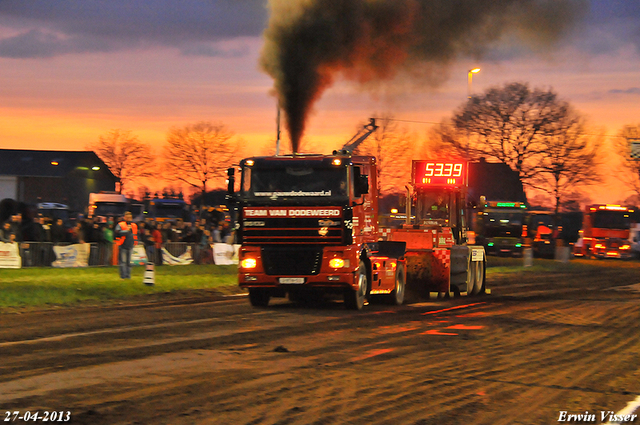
point(610, 25)
point(42, 28)
point(630, 90)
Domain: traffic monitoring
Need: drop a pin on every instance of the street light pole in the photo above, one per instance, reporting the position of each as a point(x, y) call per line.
point(471, 72)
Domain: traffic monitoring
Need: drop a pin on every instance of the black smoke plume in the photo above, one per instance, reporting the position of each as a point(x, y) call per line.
point(308, 43)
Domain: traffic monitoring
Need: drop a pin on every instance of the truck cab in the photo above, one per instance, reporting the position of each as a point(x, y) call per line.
point(106, 204)
point(605, 232)
point(168, 209)
point(499, 227)
point(308, 225)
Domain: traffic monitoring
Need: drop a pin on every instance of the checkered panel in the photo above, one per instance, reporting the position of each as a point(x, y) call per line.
point(444, 256)
point(441, 269)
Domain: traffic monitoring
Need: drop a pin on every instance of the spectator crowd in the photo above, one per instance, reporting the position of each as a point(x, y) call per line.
point(36, 237)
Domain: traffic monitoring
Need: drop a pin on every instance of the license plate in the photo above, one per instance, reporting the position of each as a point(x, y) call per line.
point(292, 280)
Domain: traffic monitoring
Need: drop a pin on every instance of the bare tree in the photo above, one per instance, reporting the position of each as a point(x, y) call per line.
point(199, 154)
point(622, 146)
point(393, 146)
point(127, 158)
point(508, 124)
point(571, 158)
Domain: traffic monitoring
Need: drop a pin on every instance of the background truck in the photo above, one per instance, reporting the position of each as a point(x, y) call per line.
point(308, 226)
point(106, 204)
point(168, 209)
point(605, 232)
point(498, 208)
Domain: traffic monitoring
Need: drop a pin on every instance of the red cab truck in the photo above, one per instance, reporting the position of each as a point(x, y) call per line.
point(308, 226)
point(605, 232)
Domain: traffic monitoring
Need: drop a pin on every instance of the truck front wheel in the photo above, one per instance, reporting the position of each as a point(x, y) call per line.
point(354, 300)
point(259, 297)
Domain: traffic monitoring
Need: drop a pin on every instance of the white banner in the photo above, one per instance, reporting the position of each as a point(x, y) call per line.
point(10, 256)
point(76, 255)
point(139, 256)
point(225, 254)
point(182, 260)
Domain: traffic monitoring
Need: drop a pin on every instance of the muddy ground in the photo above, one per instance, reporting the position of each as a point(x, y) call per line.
point(540, 344)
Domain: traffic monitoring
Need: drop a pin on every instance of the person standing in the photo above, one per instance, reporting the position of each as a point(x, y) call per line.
point(58, 232)
point(107, 241)
point(6, 232)
point(157, 238)
point(126, 233)
point(149, 244)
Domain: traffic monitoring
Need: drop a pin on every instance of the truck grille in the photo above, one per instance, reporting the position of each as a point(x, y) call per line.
point(291, 260)
point(294, 231)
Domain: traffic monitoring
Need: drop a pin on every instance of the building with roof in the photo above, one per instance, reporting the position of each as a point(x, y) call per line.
point(66, 177)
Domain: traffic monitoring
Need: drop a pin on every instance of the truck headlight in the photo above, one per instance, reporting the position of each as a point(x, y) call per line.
point(249, 263)
point(336, 263)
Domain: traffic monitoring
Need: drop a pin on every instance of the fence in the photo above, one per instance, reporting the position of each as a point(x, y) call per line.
point(41, 254)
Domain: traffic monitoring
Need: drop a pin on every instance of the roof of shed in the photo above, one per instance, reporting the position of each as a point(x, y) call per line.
point(36, 163)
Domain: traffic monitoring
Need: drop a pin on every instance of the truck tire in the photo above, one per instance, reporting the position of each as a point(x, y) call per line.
point(354, 300)
point(471, 276)
point(478, 287)
point(259, 297)
point(397, 295)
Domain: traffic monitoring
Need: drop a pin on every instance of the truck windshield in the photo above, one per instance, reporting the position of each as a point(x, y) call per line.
point(110, 209)
point(168, 210)
point(503, 224)
point(611, 220)
point(291, 183)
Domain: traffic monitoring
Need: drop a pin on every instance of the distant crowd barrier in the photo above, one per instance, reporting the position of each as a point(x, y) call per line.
point(46, 254)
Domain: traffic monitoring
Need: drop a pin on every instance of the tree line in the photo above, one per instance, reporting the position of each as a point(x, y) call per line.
point(535, 132)
point(197, 155)
point(539, 135)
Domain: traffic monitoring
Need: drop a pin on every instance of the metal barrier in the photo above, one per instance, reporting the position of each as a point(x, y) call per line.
point(41, 254)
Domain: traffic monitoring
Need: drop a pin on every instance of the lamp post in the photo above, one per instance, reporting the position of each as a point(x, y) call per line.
point(471, 72)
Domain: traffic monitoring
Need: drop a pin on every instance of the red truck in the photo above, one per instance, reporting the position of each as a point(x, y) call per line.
point(605, 232)
point(308, 226)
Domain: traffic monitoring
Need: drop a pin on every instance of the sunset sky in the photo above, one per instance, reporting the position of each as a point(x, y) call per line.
point(71, 70)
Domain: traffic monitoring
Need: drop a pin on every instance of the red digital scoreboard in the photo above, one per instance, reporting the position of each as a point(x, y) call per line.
point(427, 173)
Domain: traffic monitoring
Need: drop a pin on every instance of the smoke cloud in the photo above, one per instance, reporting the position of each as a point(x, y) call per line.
point(309, 43)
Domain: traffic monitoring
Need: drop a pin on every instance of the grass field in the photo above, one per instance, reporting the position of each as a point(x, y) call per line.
point(47, 287)
point(41, 287)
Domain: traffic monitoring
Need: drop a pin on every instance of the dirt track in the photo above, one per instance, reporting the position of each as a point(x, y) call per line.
point(540, 344)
